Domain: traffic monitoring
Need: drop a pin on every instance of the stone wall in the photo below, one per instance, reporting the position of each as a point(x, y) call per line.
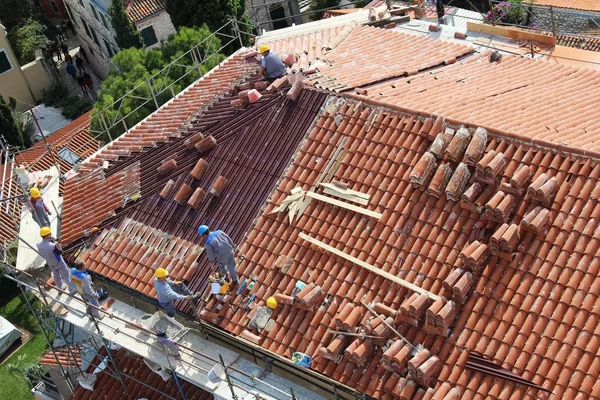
point(259, 12)
point(565, 21)
point(163, 27)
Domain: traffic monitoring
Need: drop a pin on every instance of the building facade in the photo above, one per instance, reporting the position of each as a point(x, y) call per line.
point(269, 15)
point(151, 19)
point(54, 10)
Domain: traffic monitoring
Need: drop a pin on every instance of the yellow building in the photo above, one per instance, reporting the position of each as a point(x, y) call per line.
point(24, 83)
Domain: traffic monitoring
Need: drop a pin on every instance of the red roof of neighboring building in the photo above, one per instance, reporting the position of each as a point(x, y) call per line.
point(140, 9)
point(579, 42)
point(108, 387)
point(64, 356)
point(532, 307)
point(585, 5)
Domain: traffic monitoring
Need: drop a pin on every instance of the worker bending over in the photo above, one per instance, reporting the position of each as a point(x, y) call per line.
point(37, 207)
point(50, 249)
point(219, 248)
point(166, 291)
point(83, 282)
point(271, 66)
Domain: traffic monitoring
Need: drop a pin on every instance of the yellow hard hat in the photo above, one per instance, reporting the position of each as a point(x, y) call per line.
point(272, 303)
point(45, 231)
point(34, 192)
point(263, 48)
point(161, 273)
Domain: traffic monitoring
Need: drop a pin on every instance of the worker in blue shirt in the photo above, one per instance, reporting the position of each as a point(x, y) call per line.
point(51, 251)
point(219, 247)
point(83, 281)
point(271, 66)
point(165, 291)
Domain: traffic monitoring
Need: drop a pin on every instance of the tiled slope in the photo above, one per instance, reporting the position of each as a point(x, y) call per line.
point(137, 10)
point(164, 123)
point(92, 198)
point(370, 55)
point(578, 42)
point(9, 221)
point(131, 252)
point(537, 315)
point(587, 5)
point(534, 99)
point(75, 136)
point(64, 357)
point(107, 386)
point(311, 46)
point(253, 148)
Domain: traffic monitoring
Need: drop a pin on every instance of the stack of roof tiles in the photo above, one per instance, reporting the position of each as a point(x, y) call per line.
point(499, 207)
point(543, 189)
point(505, 239)
point(67, 356)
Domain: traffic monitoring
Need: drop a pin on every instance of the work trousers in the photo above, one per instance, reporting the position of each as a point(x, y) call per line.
point(229, 266)
point(61, 275)
point(169, 307)
point(93, 301)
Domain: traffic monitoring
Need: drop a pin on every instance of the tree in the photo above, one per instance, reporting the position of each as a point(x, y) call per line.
point(14, 12)
point(215, 14)
point(127, 34)
point(8, 126)
point(135, 68)
point(319, 5)
point(28, 38)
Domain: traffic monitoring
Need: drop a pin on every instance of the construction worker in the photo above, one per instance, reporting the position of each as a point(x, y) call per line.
point(166, 291)
point(271, 66)
point(219, 248)
point(50, 249)
point(83, 282)
point(37, 207)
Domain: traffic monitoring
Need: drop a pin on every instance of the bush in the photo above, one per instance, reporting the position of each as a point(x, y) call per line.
point(71, 105)
point(29, 38)
point(507, 12)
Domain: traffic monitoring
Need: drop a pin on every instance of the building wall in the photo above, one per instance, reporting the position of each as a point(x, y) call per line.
point(50, 11)
point(259, 12)
point(36, 77)
point(12, 82)
point(565, 21)
point(103, 45)
point(163, 27)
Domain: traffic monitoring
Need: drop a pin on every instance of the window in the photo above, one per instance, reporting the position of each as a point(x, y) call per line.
point(149, 36)
point(94, 12)
point(69, 156)
point(86, 27)
point(71, 15)
point(54, 6)
point(5, 64)
point(108, 48)
point(104, 22)
point(95, 37)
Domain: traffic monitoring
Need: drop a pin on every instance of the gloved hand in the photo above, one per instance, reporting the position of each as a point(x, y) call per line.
point(188, 297)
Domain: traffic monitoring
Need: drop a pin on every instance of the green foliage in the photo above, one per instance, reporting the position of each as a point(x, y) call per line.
point(32, 372)
point(28, 38)
point(136, 68)
point(71, 105)
point(127, 34)
point(14, 12)
point(15, 309)
point(10, 128)
point(213, 13)
point(319, 5)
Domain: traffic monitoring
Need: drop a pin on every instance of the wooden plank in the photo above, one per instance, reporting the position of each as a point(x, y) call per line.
point(348, 197)
point(342, 204)
point(516, 34)
point(333, 187)
point(369, 267)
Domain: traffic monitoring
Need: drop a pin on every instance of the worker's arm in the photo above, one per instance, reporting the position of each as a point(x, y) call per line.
point(263, 64)
point(229, 241)
point(262, 71)
point(210, 252)
point(87, 287)
point(171, 293)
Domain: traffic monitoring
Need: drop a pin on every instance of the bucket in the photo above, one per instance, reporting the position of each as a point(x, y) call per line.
point(216, 374)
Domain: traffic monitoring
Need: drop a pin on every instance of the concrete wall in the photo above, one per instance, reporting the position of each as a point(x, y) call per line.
point(60, 381)
point(97, 52)
point(36, 77)
point(565, 21)
point(163, 27)
point(13, 82)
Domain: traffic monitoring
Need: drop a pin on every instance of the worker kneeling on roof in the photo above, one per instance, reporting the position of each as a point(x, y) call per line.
point(50, 249)
point(219, 247)
point(166, 291)
point(271, 66)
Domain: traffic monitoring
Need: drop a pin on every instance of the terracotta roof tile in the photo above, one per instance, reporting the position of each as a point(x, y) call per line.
point(369, 55)
point(586, 5)
point(65, 357)
point(107, 386)
point(525, 316)
point(579, 42)
point(137, 10)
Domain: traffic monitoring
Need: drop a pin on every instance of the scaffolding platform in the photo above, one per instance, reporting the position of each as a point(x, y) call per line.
point(29, 230)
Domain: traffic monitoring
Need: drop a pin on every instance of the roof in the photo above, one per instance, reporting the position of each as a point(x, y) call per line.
point(64, 356)
point(74, 136)
point(250, 157)
point(370, 55)
point(164, 123)
point(500, 95)
point(9, 221)
point(107, 386)
point(579, 42)
point(585, 5)
point(532, 307)
point(140, 9)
